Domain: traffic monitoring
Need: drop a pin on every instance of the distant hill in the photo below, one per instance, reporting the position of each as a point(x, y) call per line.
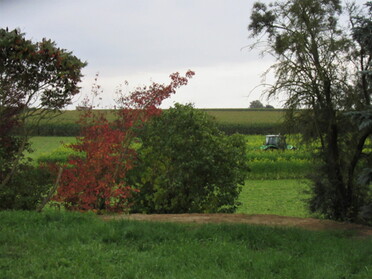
point(244, 121)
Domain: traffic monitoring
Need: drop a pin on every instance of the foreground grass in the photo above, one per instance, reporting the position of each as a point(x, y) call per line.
point(67, 245)
point(284, 197)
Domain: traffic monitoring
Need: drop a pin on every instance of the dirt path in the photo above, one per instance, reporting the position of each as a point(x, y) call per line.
point(270, 220)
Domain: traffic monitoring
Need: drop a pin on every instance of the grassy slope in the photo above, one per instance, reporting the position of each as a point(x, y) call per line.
point(44, 145)
point(71, 245)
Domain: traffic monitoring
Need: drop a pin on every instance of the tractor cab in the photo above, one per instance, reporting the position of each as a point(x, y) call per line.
point(275, 142)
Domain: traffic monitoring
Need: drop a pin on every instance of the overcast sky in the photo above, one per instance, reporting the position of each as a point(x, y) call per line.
point(146, 40)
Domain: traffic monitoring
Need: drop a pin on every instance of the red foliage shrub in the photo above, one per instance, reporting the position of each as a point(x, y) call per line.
point(96, 181)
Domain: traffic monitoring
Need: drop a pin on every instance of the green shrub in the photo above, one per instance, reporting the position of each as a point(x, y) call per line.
point(187, 165)
point(25, 190)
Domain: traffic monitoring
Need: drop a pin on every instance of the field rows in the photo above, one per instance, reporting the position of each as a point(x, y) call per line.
point(247, 116)
point(243, 121)
point(277, 164)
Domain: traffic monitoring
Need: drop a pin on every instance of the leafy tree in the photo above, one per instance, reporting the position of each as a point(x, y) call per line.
point(362, 33)
point(256, 104)
point(317, 68)
point(361, 25)
point(34, 79)
point(26, 189)
point(187, 165)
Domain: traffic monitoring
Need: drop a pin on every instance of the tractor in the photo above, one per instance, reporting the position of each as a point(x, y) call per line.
point(275, 142)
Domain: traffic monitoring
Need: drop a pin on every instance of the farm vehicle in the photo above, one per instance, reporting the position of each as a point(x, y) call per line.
point(276, 142)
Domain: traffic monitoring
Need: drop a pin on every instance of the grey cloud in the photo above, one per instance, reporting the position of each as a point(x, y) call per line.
point(135, 35)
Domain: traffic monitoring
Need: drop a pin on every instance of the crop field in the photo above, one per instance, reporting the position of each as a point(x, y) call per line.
point(244, 116)
point(244, 121)
point(235, 116)
point(71, 116)
point(278, 164)
point(290, 164)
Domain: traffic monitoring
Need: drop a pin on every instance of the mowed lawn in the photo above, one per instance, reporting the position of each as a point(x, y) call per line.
point(56, 244)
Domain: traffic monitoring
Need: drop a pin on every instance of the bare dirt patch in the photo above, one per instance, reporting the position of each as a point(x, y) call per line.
point(269, 220)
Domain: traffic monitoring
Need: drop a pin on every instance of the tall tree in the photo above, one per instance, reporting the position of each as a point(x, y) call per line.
point(362, 34)
point(317, 67)
point(35, 78)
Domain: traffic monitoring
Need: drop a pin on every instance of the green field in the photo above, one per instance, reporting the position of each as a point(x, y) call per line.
point(247, 116)
point(284, 197)
point(236, 116)
point(53, 244)
point(263, 164)
point(45, 145)
point(277, 164)
point(244, 121)
point(275, 184)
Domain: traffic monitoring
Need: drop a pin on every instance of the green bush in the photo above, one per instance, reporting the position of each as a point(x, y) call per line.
point(187, 165)
point(26, 189)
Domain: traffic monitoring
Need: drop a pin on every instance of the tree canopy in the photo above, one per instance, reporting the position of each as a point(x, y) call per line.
point(35, 78)
point(36, 74)
point(256, 104)
point(322, 67)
